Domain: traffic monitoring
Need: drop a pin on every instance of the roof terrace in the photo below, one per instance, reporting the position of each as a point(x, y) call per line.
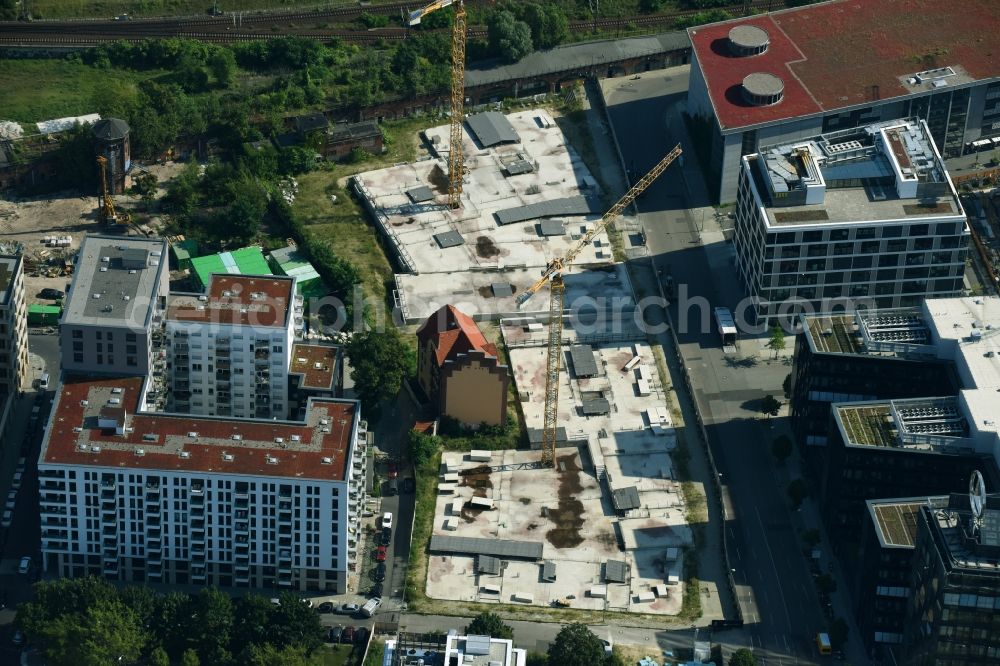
point(896, 520)
point(919, 424)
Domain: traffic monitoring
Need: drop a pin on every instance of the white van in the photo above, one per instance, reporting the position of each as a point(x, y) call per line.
point(370, 607)
point(43, 383)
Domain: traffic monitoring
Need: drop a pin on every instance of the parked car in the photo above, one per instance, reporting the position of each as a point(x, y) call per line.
point(409, 485)
point(18, 638)
point(393, 470)
point(8, 518)
point(390, 488)
point(335, 634)
point(361, 636)
point(25, 565)
point(348, 609)
point(348, 635)
point(387, 521)
point(380, 554)
point(51, 294)
point(380, 572)
point(386, 536)
point(18, 479)
point(325, 607)
point(376, 590)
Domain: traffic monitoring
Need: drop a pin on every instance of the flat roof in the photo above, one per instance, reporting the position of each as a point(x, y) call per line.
point(625, 498)
point(845, 53)
point(420, 194)
point(353, 131)
point(244, 261)
point(107, 289)
point(896, 520)
point(491, 128)
point(263, 301)
point(584, 363)
point(488, 564)
point(615, 571)
point(8, 267)
point(317, 364)
point(503, 548)
point(208, 443)
point(567, 206)
point(918, 424)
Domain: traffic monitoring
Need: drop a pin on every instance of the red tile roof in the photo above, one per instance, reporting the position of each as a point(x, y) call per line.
point(849, 52)
point(237, 300)
point(169, 434)
point(454, 332)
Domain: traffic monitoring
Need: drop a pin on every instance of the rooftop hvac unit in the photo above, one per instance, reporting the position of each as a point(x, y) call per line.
point(185, 454)
point(228, 457)
point(326, 461)
point(140, 452)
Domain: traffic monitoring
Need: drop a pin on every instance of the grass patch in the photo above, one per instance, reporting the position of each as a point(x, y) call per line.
point(343, 224)
point(691, 599)
point(54, 9)
point(376, 653)
point(36, 90)
point(423, 524)
point(335, 655)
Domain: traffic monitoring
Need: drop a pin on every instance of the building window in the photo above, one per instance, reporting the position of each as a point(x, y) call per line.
point(98, 335)
point(130, 337)
point(130, 360)
point(78, 358)
point(77, 335)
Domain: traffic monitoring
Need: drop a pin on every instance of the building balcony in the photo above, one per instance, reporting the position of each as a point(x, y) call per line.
point(154, 545)
point(52, 510)
point(154, 573)
point(52, 484)
point(54, 521)
point(198, 536)
point(242, 526)
point(154, 559)
point(153, 507)
point(152, 488)
point(285, 541)
point(180, 347)
point(55, 545)
point(110, 569)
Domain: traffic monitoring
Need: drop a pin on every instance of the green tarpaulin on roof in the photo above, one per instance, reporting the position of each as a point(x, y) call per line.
point(245, 261)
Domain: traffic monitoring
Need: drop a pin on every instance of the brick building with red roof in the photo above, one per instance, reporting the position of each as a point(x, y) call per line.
point(459, 370)
point(769, 79)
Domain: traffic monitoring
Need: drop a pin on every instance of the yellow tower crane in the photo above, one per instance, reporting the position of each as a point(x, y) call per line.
point(554, 278)
point(108, 214)
point(456, 163)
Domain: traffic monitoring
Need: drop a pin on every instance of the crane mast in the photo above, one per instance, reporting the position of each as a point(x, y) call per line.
point(456, 159)
point(553, 276)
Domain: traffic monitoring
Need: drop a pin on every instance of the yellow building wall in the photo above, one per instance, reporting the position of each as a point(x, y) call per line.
point(475, 395)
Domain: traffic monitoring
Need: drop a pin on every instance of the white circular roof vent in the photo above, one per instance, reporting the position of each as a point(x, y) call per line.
point(763, 89)
point(748, 40)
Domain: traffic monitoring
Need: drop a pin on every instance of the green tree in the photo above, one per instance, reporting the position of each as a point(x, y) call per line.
point(380, 363)
point(537, 659)
point(99, 634)
point(742, 657)
point(701, 18)
point(650, 6)
point(786, 386)
point(422, 448)
point(182, 196)
point(222, 63)
point(781, 448)
point(508, 38)
point(159, 657)
point(268, 655)
point(190, 658)
point(797, 491)
point(8, 10)
point(777, 341)
point(145, 184)
point(576, 645)
point(811, 538)
point(253, 613)
point(826, 583)
point(547, 22)
point(212, 623)
point(489, 624)
point(839, 631)
point(294, 623)
point(770, 405)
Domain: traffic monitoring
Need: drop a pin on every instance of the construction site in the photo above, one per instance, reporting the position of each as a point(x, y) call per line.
point(527, 197)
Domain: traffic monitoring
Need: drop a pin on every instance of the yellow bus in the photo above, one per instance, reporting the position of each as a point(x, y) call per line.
point(823, 643)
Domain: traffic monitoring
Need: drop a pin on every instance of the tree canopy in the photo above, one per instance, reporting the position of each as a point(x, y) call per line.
point(507, 36)
point(489, 624)
point(380, 363)
point(742, 657)
point(576, 645)
point(87, 621)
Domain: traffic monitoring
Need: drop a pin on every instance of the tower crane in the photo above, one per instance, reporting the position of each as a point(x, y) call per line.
point(554, 278)
point(107, 213)
point(456, 163)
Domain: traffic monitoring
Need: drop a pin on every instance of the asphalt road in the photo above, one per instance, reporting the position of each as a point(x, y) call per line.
point(776, 593)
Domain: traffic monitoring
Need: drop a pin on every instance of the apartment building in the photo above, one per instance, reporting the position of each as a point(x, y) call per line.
point(229, 350)
point(864, 217)
point(114, 306)
point(181, 499)
point(317, 371)
point(13, 327)
point(787, 75)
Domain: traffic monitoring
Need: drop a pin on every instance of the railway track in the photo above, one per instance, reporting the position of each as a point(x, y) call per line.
point(224, 30)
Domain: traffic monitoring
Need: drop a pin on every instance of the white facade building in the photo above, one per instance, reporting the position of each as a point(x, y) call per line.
point(229, 350)
point(13, 327)
point(177, 499)
point(865, 217)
